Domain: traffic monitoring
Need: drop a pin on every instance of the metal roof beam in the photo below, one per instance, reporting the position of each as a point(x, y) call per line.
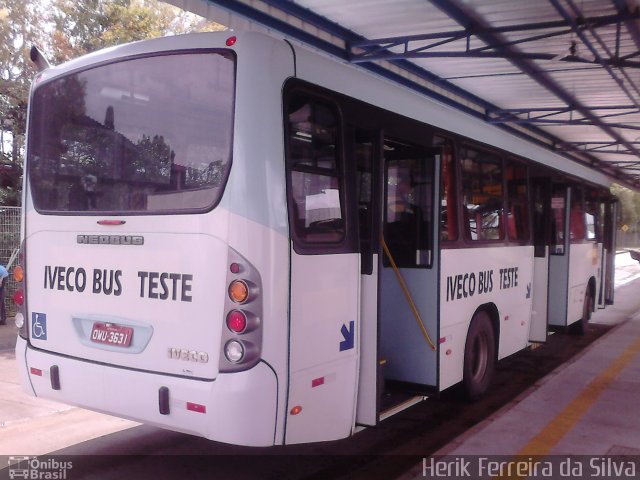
point(379, 49)
point(458, 11)
point(594, 51)
point(546, 121)
point(632, 26)
point(533, 114)
point(599, 147)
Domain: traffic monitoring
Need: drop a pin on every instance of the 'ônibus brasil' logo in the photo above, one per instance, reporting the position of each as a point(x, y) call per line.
point(110, 239)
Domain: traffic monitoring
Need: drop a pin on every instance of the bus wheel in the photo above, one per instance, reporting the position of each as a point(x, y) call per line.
point(479, 356)
point(580, 327)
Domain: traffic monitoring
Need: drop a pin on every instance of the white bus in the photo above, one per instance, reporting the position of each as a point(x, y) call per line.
point(238, 238)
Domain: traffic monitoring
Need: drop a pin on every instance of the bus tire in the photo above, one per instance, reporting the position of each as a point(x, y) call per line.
point(580, 327)
point(479, 356)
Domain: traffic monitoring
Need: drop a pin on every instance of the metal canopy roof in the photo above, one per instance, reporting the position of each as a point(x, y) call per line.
point(565, 73)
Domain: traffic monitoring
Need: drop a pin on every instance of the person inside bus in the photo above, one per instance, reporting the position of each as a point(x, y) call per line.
point(404, 229)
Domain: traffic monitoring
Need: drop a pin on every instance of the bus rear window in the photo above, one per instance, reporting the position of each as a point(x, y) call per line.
point(145, 135)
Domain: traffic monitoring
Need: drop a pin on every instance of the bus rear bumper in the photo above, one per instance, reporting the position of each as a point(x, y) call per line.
point(238, 408)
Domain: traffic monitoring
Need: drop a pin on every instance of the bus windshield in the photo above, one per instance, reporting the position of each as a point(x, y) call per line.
point(143, 135)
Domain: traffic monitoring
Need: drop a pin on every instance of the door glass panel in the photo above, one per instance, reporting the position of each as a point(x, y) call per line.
point(364, 152)
point(315, 185)
point(540, 198)
point(517, 202)
point(409, 172)
point(558, 207)
point(448, 192)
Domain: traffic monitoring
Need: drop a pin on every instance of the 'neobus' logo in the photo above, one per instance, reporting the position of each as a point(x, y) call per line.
point(110, 239)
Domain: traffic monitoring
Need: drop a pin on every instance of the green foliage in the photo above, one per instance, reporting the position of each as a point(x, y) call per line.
point(629, 207)
point(83, 27)
point(19, 29)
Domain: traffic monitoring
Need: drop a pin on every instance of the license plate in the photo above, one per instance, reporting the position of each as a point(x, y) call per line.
point(111, 334)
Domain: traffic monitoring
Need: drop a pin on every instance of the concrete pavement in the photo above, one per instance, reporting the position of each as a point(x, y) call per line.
point(8, 335)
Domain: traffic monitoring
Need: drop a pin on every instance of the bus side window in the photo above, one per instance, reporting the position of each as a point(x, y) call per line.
point(482, 194)
point(592, 216)
point(577, 217)
point(448, 192)
point(315, 192)
point(558, 206)
point(517, 202)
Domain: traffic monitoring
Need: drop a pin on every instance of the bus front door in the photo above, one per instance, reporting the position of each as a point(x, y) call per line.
point(408, 272)
point(540, 197)
point(610, 227)
point(324, 311)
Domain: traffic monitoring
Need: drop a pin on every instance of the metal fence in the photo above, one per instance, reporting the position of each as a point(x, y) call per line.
point(628, 240)
point(9, 244)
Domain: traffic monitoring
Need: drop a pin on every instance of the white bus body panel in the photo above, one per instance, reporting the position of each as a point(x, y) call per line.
point(471, 278)
point(238, 408)
point(251, 219)
point(584, 265)
point(324, 346)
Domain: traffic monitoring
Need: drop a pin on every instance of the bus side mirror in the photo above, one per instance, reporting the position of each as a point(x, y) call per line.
point(38, 58)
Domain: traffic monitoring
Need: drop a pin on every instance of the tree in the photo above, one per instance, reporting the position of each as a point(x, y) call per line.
point(629, 207)
point(82, 27)
point(19, 29)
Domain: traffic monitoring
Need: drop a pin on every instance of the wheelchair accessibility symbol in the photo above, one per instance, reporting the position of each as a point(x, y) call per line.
point(39, 325)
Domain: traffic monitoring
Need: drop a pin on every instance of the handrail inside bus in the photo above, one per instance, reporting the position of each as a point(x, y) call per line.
point(407, 294)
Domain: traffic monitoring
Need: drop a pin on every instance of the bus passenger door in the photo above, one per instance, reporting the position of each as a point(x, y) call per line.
point(540, 198)
point(408, 271)
point(559, 255)
point(609, 256)
point(365, 146)
point(324, 317)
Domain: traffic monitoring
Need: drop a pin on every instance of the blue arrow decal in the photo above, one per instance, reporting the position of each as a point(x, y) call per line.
point(349, 335)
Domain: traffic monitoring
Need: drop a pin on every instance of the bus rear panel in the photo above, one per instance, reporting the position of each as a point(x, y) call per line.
point(136, 302)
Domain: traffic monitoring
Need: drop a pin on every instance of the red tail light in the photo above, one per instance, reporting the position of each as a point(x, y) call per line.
point(18, 297)
point(237, 321)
